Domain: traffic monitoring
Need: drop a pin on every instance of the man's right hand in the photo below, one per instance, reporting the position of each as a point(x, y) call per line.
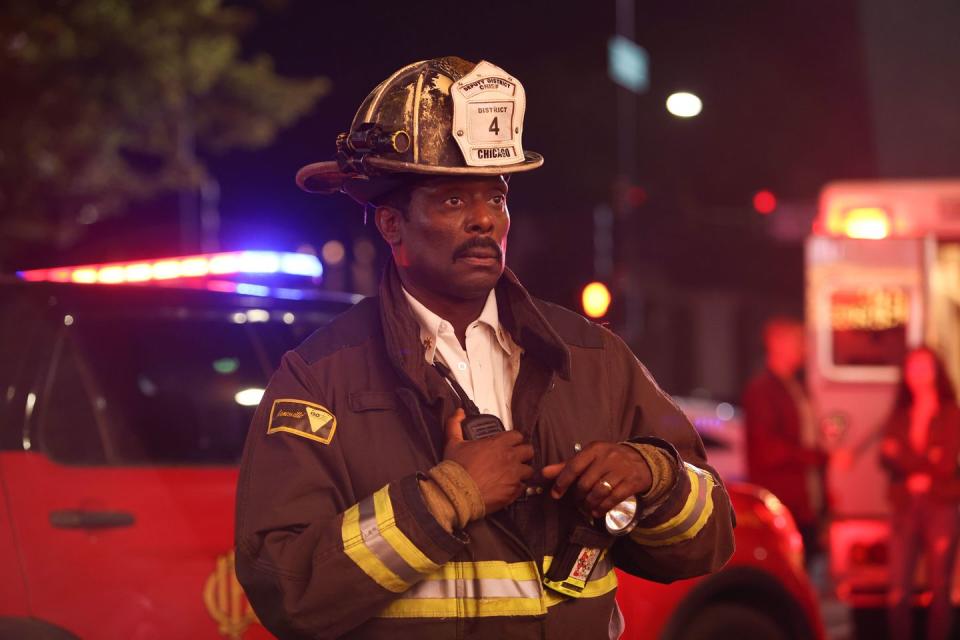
point(496, 463)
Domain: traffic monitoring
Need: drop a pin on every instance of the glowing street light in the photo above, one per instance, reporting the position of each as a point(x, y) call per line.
point(684, 104)
point(596, 299)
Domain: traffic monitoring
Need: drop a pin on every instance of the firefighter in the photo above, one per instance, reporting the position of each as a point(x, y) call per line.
point(455, 458)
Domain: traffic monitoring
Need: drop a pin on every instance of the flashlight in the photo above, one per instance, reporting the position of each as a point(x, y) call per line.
point(622, 518)
point(370, 137)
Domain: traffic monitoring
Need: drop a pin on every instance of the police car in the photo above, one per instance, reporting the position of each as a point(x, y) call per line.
point(127, 390)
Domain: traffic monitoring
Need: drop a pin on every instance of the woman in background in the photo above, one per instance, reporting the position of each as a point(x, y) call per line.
point(919, 451)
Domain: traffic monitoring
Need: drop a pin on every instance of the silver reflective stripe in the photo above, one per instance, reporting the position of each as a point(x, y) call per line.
point(475, 589)
point(691, 519)
point(379, 547)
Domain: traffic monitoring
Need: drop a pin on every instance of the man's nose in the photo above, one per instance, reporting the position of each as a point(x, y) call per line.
point(480, 220)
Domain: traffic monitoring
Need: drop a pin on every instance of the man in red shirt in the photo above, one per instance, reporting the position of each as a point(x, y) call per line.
point(784, 453)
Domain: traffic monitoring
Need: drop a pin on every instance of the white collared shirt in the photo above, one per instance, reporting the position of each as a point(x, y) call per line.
point(487, 370)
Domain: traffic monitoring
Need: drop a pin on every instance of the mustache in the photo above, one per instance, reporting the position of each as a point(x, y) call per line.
point(478, 243)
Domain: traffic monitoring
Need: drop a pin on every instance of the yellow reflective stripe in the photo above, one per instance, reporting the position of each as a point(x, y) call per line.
point(471, 575)
point(596, 585)
point(462, 607)
point(594, 589)
point(688, 530)
point(392, 534)
point(684, 512)
point(356, 550)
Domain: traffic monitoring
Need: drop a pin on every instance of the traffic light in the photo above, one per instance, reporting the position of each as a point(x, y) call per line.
point(764, 202)
point(595, 299)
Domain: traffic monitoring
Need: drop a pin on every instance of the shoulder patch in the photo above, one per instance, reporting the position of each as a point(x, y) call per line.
point(302, 418)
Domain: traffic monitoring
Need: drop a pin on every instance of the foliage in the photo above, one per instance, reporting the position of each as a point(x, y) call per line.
point(107, 101)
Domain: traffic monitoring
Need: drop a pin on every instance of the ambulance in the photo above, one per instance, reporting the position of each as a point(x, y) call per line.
point(882, 276)
point(126, 390)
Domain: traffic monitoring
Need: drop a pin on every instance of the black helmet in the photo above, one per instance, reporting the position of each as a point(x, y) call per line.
point(445, 116)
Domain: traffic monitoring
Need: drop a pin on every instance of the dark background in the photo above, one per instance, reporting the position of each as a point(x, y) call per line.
point(795, 95)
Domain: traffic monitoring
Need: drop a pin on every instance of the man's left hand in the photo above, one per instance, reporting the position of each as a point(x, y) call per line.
point(602, 475)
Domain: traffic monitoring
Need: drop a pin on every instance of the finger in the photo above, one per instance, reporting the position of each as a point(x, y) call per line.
point(523, 452)
point(591, 477)
point(620, 493)
point(574, 467)
point(551, 471)
point(511, 438)
point(600, 491)
point(453, 429)
point(526, 472)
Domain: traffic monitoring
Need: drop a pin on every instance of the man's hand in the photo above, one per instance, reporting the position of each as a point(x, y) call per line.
point(602, 475)
point(496, 464)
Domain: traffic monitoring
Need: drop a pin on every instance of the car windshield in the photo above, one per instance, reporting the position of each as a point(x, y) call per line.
point(171, 388)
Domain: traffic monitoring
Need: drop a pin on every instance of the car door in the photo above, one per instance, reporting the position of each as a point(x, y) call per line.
point(124, 489)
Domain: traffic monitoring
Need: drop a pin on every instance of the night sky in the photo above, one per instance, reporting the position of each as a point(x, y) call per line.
point(783, 88)
point(794, 95)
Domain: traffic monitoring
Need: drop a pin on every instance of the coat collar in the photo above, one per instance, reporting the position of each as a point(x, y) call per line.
point(519, 315)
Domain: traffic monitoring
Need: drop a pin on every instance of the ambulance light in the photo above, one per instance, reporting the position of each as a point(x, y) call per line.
point(867, 223)
point(234, 262)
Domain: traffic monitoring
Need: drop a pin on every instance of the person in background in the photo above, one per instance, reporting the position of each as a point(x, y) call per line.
point(919, 450)
point(784, 451)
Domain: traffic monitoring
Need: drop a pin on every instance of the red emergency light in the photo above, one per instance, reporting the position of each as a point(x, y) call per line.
point(198, 266)
point(764, 202)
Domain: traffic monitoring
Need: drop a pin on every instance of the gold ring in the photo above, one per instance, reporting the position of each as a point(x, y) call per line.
point(608, 486)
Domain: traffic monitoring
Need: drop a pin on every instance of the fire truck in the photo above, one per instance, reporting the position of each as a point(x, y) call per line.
point(883, 275)
point(127, 390)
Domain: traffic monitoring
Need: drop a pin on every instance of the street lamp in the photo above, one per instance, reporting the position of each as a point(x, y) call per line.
point(684, 104)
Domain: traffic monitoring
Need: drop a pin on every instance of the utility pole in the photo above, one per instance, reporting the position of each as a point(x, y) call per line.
point(627, 165)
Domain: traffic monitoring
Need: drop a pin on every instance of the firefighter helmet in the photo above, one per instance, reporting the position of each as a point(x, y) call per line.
point(443, 117)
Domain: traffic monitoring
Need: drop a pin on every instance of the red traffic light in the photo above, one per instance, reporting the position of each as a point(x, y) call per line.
point(764, 202)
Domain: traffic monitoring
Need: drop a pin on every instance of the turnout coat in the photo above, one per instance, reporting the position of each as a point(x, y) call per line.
point(334, 538)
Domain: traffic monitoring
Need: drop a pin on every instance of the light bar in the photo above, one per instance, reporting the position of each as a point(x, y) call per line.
point(865, 223)
point(234, 262)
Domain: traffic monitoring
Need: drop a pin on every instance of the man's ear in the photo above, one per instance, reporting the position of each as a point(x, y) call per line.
point(388, 220)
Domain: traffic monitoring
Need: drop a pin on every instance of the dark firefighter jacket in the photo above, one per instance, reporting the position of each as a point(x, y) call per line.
point(334, 538)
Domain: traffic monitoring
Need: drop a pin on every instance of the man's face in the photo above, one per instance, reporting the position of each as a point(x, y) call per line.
point(787, 345)
point(453, 241)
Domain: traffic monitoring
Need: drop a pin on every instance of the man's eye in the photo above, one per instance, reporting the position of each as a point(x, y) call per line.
point(499, 200)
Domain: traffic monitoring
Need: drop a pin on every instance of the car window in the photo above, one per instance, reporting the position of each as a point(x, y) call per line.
point(165, 389)
point(68, 420)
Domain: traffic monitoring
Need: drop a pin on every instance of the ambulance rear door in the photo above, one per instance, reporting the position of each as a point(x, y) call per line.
point(865, 308)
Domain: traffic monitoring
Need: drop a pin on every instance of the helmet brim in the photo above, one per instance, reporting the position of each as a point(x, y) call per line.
point(326, 177)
